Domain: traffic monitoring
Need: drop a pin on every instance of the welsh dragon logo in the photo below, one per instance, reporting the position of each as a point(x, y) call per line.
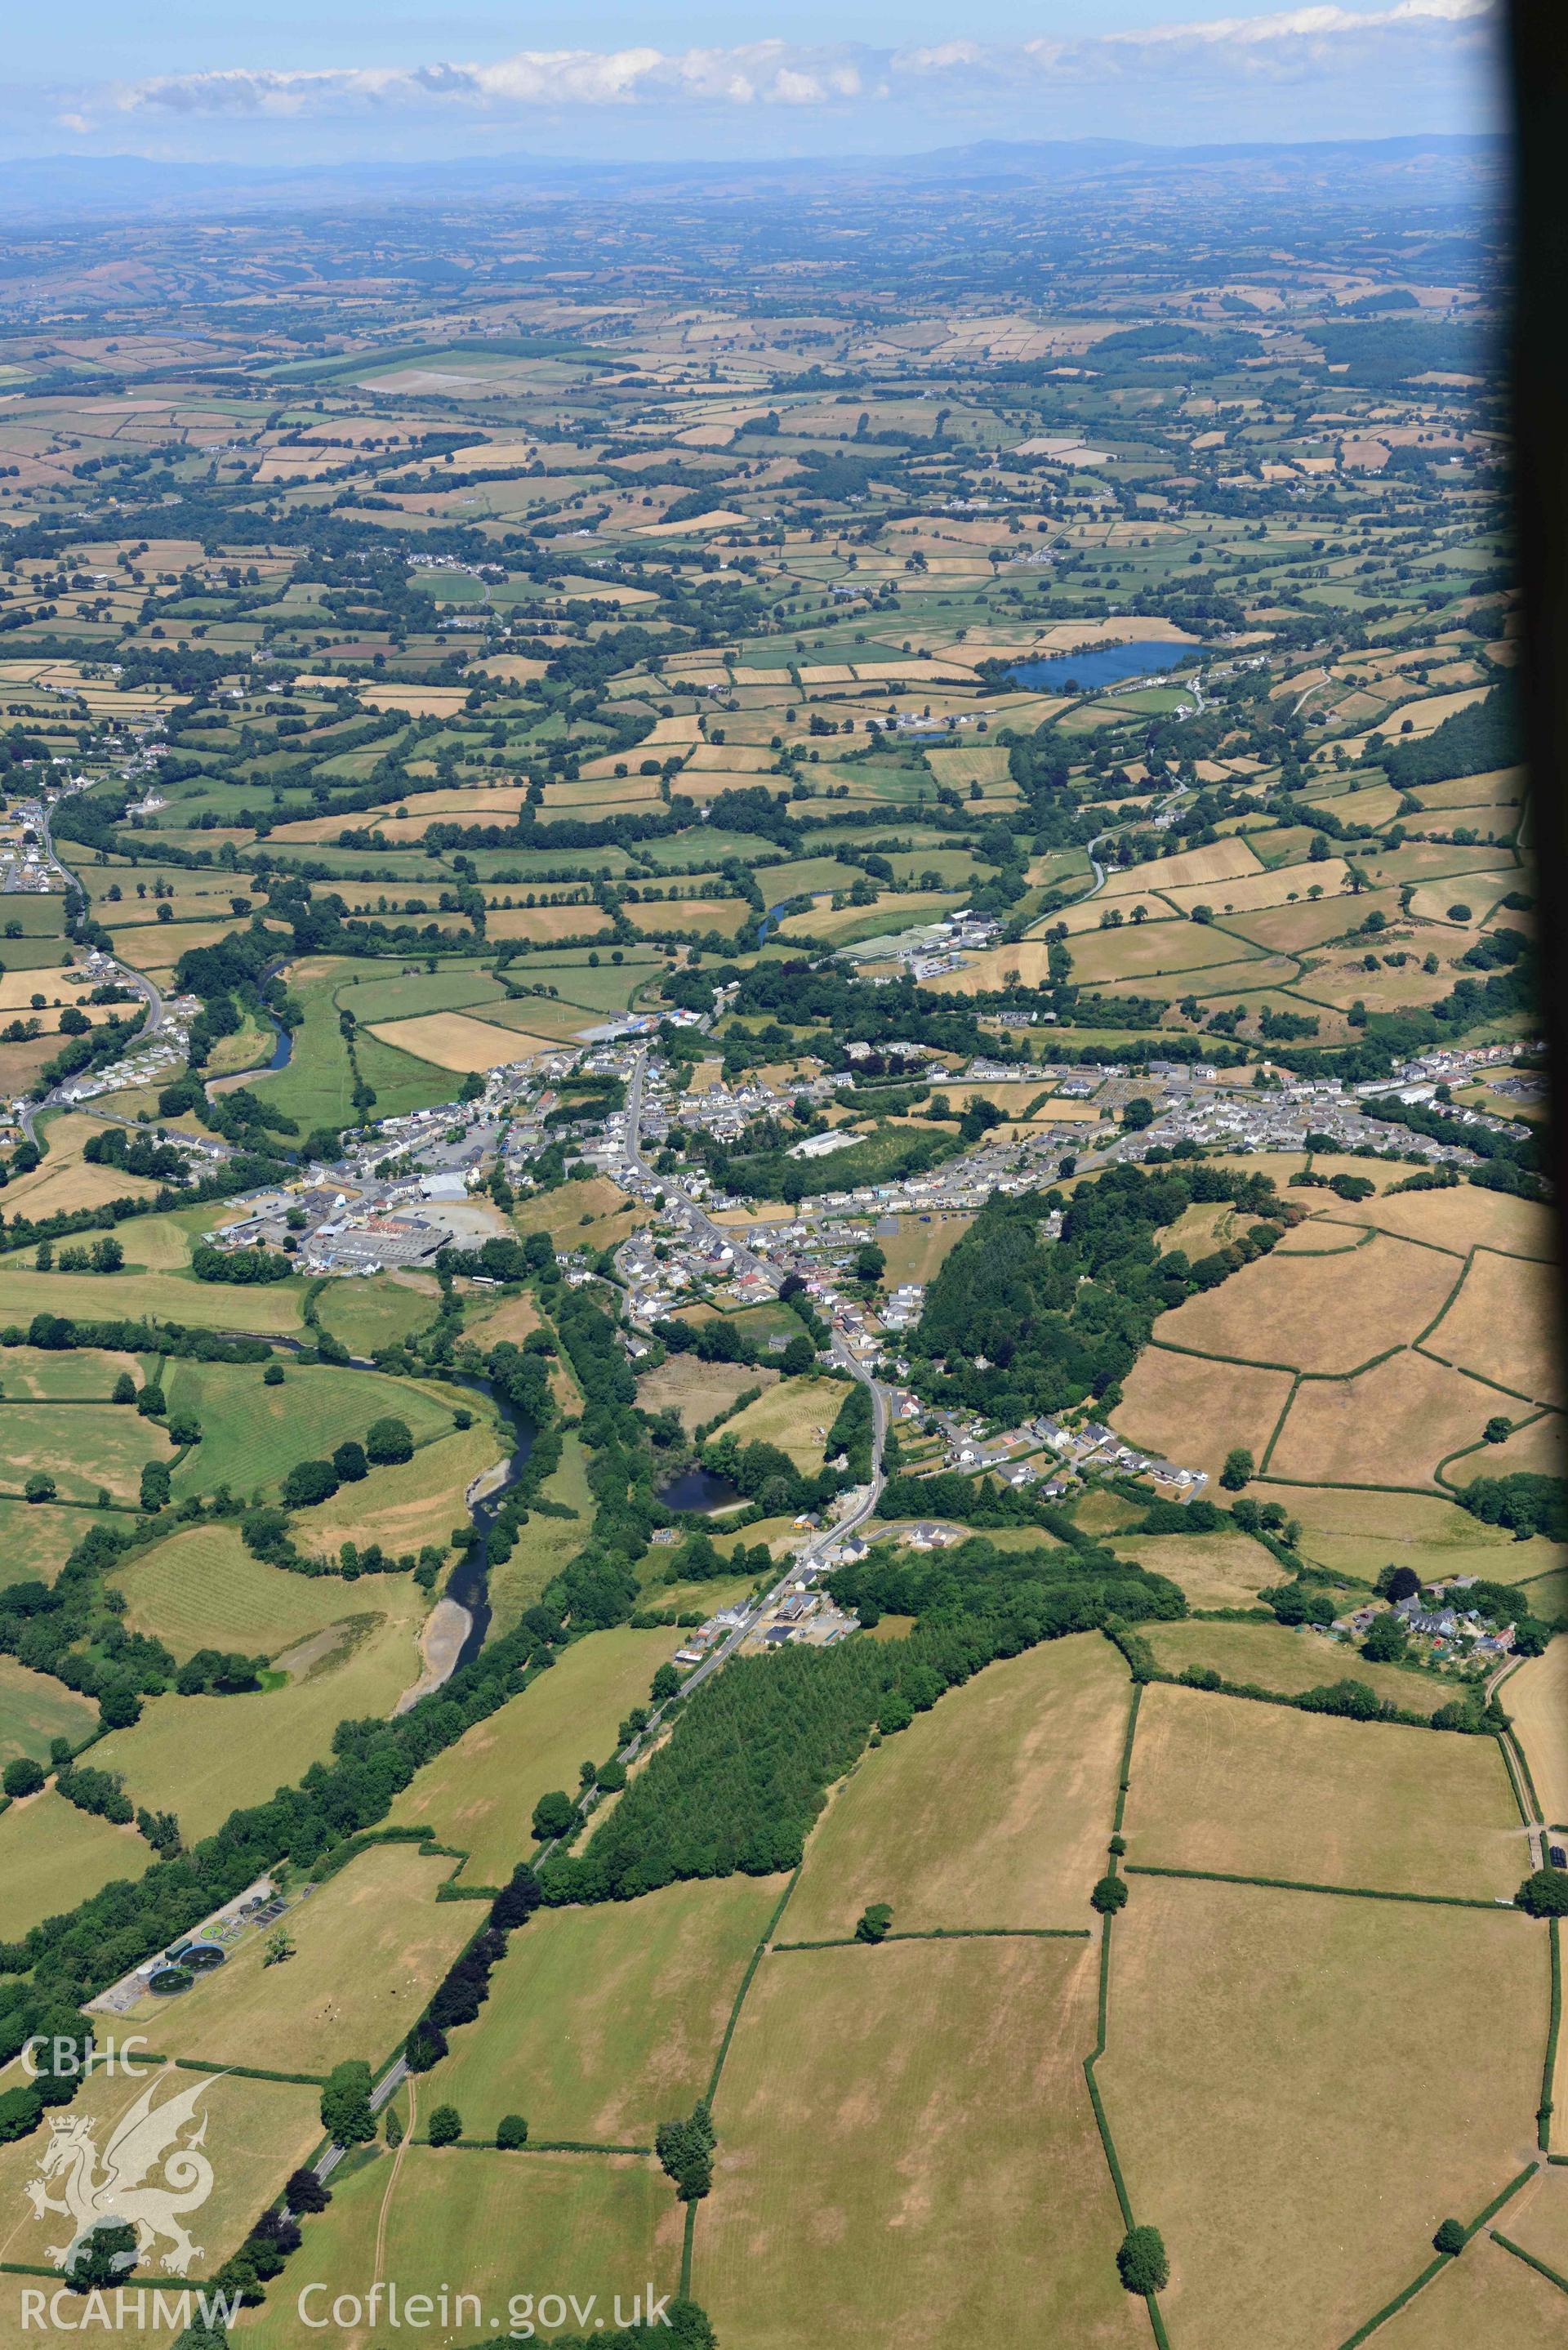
point(141, 2140)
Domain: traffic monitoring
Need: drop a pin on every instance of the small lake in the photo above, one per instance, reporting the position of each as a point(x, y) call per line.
point(697, 1489)
point(1098, 665)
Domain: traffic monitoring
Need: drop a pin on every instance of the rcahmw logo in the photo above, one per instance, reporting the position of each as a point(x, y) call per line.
point(122, 2185)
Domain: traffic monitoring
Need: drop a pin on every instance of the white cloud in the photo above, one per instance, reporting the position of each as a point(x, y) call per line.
point(1297, 44)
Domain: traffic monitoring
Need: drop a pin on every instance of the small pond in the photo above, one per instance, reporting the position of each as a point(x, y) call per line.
point(698, 1489)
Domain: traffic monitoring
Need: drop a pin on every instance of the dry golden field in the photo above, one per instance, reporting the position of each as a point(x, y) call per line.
point(1486, 2301)
point(1316, 1313)
point(1245, 2026)
point(1262, 1791)
point(1503, 1326)
point(991, 1810)
point(1391, 1426)
point(1537, 1698)
point(889, 2113)
point(1193, 1411)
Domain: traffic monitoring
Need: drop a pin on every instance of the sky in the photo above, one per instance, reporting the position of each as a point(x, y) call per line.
point(390, 79)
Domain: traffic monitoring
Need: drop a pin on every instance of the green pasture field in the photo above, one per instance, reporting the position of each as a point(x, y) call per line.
point(202, 1756)
point(35, 1708)
point(317, 1085)
point(762, 1323)
point(411, 1503)
point(892, 2110)
point(84, 1447)
point(30, 953)
point(41, 917)
point(252, 1434)
point(991, 1810)
point(377, 1311)
point(1361, 1532)
point(1102, 1513)
point(265, 1307)
point(479, 1796)
point(84, 1375)
point(1277, 1658)
point(1259, 1790)
point(369, 1947)
point(704, 842)
point(202, 1589)
point(38, 1537)
point(452, 990)
point(610, 987)
point(163, 1243)
point(485, 2226)
point(602, 2022)
point(1244, 2025)
point(52, 1856)
point(546, 1543)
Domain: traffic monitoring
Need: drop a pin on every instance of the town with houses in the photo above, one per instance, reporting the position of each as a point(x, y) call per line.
point(412, 1185)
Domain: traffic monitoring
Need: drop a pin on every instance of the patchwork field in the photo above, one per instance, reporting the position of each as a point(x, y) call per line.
point(484, 2226)
point(1360, 1533)
point(1223, 860)
point(1290, 1661)
point(992, 1809)
point(454, 1041)
point(1316, 1313)
point(480, 1794)
point(1390, 1426)
point(890, 2108)
point(1538, 2218)
point(52, 1856)
point(34, 1708)
point(1260, 1790)
point(1537, 1698)
point(1234, 2055)
point(1486, 2301)
point(564, 608)
point(602, 2022)
point(1192, 1411)
point(1502, 1326)
point(1462, 1218)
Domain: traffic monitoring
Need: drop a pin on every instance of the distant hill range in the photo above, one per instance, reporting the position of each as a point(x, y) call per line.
point(1434, 169)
